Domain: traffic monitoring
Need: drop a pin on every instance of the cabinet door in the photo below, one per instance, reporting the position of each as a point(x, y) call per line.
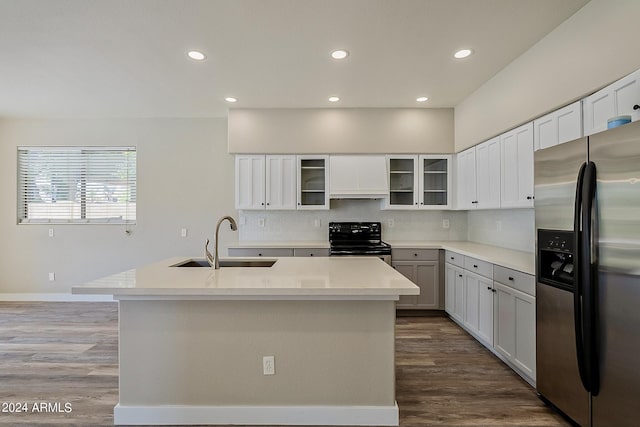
point(403, 182)
point(471, 303)
point(281, 182)
point(485, 310)
point(250, 182)
point(313, 177)
point(435, 182)
point(558, 127)
point(458, 312)
point(466, 185)
point(451, 273)
point(517, 167)
point(617, 99)
point(488, 167)
point(545, 131)
point(514, 331)
point(626, 94)
point(428, 279)
point(569, 121)
point(598, 108)
point(408, 270)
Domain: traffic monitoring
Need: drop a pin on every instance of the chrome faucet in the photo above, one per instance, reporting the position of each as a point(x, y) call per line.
point(214, 259)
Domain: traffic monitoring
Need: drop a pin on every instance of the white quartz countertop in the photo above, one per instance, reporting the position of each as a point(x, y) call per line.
point(517, 260)
point(289, 278)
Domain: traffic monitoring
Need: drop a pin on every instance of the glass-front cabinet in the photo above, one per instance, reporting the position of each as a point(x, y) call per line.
point(403, 182)
point(419, 182)
point(435, 182)
point(313, 179)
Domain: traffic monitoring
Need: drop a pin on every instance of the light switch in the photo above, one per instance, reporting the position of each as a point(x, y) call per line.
point(183, 232)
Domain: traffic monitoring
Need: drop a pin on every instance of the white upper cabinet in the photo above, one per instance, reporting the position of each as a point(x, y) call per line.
point(313, 179)
point(419, 182)
point(250, 182)
point(617, 99)
point(517, 167)
point(466, 174)
point(435, 182)
point(488, 174)
point(281, 182)
point(358, 176)
point(403, 182)
point(558, 127)
point(265, 182)
point(479, 176)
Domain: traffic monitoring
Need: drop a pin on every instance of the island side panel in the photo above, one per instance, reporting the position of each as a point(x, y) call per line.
point(210, 352)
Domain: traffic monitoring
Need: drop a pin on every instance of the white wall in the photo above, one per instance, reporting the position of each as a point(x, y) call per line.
point(341, 130)
point(184, 180)
point(595, 46)
point(517, 228)
point(299, 225)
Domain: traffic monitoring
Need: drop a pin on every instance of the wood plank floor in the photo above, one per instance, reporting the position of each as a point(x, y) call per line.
point(68, 353)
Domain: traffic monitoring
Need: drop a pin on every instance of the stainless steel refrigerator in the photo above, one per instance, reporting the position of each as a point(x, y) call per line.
point(587, 212)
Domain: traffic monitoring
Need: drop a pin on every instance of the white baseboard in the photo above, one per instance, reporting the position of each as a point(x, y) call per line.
point(257, 415)
point(54, 297)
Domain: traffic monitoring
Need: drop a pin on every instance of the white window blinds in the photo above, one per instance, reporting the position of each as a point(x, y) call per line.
point(76, 185)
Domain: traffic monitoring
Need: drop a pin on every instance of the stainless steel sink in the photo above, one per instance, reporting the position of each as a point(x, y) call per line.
point(226, 263)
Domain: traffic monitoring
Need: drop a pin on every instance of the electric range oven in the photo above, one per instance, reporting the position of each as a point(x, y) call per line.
point(358, 239)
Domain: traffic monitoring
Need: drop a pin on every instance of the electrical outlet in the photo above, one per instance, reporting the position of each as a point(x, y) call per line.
point(51, 232)
point(269, 365)
point(390, 223)
point(52, 277)
point(183, 232)
point(445, 223)
point(499, 225)
point(260, 222)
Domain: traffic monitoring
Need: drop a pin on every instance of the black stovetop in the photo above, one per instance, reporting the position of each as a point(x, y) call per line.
point(357, 238)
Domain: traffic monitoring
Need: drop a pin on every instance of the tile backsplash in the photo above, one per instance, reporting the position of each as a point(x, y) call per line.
point(313, 225)
point(508, 228)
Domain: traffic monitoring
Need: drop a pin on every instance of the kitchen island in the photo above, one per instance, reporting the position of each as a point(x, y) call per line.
point(192, 342)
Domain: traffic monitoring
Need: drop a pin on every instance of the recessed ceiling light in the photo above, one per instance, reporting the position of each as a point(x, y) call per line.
point(339, 54)
point(231, 99)
point(196, 55)
point(422, 99)
point(462, 53)
point(334, 99)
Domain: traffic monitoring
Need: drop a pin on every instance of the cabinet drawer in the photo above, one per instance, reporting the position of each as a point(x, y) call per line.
point(482, 268)
point(454, 258)
point(266, 252)
point(414, 254)
point(516, 279)
point(311, 252)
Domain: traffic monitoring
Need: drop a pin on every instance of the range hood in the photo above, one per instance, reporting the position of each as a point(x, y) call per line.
point(358, 177)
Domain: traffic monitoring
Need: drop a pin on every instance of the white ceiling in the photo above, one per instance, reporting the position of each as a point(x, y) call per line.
point(126, 58)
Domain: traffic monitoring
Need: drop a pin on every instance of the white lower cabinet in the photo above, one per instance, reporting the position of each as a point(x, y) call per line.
point(499, 315)
point(454, 292)
point(478, 313)
point(515, 328)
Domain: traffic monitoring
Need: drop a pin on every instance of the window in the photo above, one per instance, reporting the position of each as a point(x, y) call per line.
point(76, 185)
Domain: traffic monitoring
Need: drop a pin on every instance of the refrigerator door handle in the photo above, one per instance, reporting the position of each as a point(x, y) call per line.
point(589, 275)
point(578, 272)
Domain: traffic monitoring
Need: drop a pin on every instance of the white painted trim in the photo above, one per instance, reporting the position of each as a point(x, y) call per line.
point(54, 297)
point(258, 297)
point(257, 415)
